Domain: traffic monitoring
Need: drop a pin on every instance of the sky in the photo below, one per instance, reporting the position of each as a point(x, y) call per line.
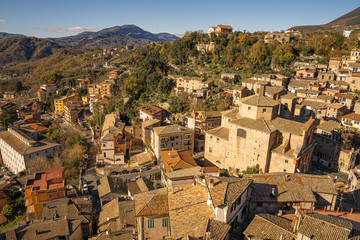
point(55, 18)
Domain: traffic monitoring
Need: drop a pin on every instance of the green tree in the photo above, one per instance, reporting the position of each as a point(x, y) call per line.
point(176, 105)
point(8, 210)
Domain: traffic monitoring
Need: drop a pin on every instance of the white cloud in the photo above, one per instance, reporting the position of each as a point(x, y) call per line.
point(2, 21)
point(72, 29)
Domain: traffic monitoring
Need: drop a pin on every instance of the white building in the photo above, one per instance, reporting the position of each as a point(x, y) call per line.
point(17, 149)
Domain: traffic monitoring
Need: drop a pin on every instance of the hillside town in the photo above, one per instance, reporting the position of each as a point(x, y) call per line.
point(274, 156)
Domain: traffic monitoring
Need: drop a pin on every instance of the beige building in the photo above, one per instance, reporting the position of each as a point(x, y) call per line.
point(147, 127)
point(72, 111)
point(347, 159)
point(254, 136)
point(193, 85)
point(18, 150)
point(172, 137)
point(280, 37)
point(115, 141)
point(351, 120)
point(149, 111)
point(238, 93)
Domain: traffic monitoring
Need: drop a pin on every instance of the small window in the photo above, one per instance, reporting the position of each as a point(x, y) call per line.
point(249, 108)
point(165, 222)
point(210, 149)
point(151, 223)
point(286, 161)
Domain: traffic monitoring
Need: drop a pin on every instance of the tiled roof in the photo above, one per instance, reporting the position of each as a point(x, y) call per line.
point(152, 203)
point(50, 179)
point(274, 89)
point(289, 187)
point(189, 211)
point(50, 229)
point(176, 160)
point(321, 227)
point(230, 113)
point(121, 213)
point(111, 185)
point(218, 229)
point(260, 101)
point(258, 124)
point(171, 129)
point(289, 96)
point(24, 149)
point(290, 126)
point(238, 87)
point(150, 109)
point(352, 116)
point(328, 126)
point(227, 190)
point(187, 172)
point(270, 227)
point(220, 132)
point(193, 78)
point(150, 122)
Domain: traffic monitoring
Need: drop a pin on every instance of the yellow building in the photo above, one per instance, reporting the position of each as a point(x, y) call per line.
point(59, 103)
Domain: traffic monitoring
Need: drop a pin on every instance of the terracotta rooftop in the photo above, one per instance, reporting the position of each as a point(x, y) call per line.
point(289, 187)
point(189, 211)
point(352, 116)
point(218, 229)
point(50, 179)
point(176, 160)
point(270, 227)
point(324, 227)
point(152, 203)
point(227, 190)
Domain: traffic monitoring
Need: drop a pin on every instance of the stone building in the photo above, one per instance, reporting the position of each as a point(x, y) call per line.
point(254, 136)
point(328, 144)
point(149, 111)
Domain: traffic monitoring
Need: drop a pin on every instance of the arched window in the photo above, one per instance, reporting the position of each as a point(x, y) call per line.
point(241, 133)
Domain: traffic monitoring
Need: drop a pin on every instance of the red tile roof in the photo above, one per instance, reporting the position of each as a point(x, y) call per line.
point(50, 179)
point(176, 160)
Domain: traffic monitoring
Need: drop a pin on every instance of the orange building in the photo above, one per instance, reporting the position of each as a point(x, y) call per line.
point(44, 187)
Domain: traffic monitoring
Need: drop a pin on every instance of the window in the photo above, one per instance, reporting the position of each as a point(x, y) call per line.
point(151, 223)
point(210, 149)
point(165, 222)
point(249, 108)
point(286, 161)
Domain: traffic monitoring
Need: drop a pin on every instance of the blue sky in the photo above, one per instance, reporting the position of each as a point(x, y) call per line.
point(55, 18)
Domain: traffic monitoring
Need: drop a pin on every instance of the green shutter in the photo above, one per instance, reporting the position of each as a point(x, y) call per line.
point(150, 223)
point(165, 222)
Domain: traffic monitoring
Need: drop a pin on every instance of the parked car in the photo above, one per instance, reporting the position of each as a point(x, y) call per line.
point(134, 170)
point(86, 192)
point(113, 173)
point(84, 167)
point(124, 171)
point(85, 155)
point(143, 169)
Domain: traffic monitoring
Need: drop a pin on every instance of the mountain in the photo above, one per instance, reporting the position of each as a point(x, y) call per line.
point(21, 49)
point(118, 35)
point(7, 35)
point(350, 20)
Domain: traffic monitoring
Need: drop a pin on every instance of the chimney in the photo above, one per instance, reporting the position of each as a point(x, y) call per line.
point(211, 184)
point(262, 90)
point(282, 236)
point(194, 183)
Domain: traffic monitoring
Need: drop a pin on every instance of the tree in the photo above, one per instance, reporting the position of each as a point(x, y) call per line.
point(258, 52)
point(133, 86)
point(176, 105)
point(8, 210)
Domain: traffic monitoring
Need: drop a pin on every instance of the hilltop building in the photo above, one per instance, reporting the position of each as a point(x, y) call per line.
point(253, 135)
